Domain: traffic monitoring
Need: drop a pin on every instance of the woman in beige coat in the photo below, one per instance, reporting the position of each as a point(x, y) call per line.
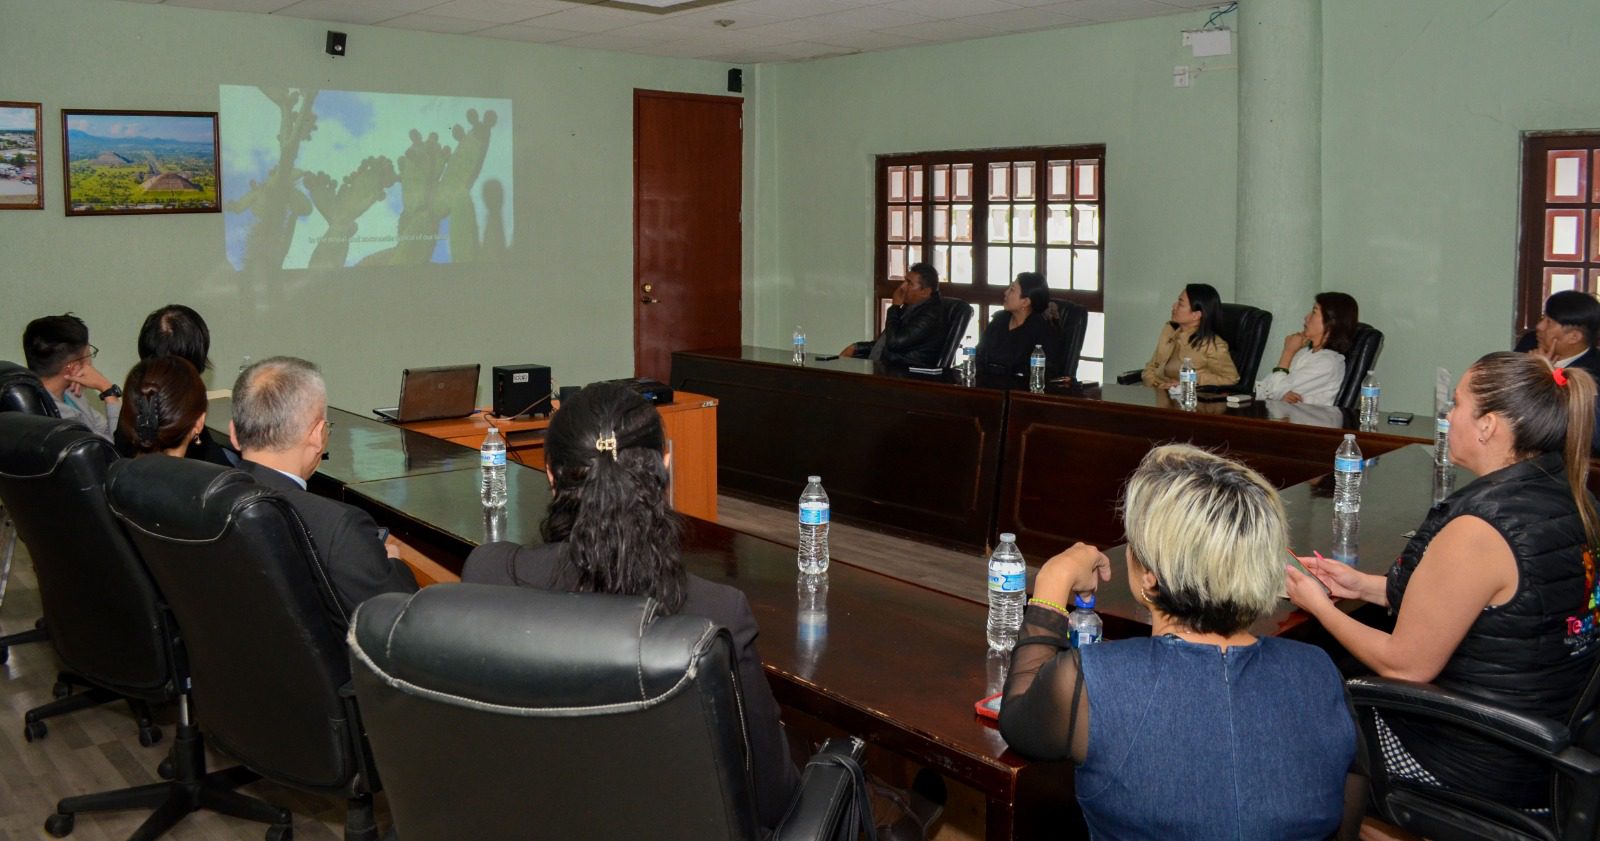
point(1192, 333)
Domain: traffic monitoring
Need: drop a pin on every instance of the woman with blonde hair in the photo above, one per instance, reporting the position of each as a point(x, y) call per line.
point(1202, 729)
point(1495, 596)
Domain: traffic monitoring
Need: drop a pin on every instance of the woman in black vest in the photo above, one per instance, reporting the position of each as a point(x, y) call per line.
point(1495, 595)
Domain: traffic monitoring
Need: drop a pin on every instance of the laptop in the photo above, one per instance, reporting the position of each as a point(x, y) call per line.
point(448, 391)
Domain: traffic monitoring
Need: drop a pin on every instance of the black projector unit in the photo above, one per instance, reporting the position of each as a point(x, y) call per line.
point(521, 390)
point(655, 391)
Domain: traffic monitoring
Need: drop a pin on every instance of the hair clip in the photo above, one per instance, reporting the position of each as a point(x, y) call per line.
point(607, 443)
point(1561, 377)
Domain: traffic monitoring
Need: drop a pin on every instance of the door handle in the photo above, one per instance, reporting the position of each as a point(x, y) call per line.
point(649, 301)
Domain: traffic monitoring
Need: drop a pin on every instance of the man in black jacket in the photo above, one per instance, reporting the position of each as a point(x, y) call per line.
point(280, 426)
point(1566, 334)
point(915, 331)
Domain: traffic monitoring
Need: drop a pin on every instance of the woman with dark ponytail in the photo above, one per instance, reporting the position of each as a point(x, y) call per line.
point(1495, 597)
point(611, 529)
point(164, 407)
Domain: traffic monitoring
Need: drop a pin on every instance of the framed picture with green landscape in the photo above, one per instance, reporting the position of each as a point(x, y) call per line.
point(21, 187)
point(119, 162)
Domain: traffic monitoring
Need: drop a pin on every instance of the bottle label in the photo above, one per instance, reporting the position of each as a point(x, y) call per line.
point(1347, 464)
point(494, 459)
point(1443, 426)
point(813, 513)
point(1370, 391)
point(1080, 638)
point(1036, 362)
point(1187, 375)
point(1001, 582)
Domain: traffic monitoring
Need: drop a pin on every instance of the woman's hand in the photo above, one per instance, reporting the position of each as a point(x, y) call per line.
point(1304, 590)
point(1342, 580)
point(1293, 342)
point(1293, 397)
point(1080, 569)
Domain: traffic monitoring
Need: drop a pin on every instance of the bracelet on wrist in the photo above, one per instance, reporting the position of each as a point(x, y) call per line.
point(1046, 603)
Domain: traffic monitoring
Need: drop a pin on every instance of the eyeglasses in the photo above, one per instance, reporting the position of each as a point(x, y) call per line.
point(93, 352)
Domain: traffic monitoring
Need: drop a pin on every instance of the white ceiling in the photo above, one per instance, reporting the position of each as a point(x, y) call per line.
point(735, 31)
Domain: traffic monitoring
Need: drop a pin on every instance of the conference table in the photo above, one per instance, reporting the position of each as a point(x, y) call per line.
point(893, 662)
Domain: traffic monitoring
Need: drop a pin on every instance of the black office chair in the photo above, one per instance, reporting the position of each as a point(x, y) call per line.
point(1072, 325)
point(1569, 747)
point(106, 620)
point(957, 314)
point(268, 671)
point(472, 694)
point(1363, 357)
point(1245, 329)
point(20, 391)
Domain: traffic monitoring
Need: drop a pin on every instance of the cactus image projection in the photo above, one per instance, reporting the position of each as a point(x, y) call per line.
point(327, 179)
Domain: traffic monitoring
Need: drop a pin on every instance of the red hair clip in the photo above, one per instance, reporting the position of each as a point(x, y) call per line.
point(1561, 377)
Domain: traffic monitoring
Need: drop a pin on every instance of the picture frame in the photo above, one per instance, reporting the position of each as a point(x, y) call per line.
point(116, 162)
point(21, 156)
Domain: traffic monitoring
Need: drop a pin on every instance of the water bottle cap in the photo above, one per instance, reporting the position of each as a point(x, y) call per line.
point(1008, 537)
point(1080, 600)
point(1349, 436)
point(815, 480)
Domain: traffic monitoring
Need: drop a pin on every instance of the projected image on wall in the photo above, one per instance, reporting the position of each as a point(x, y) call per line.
point(325, 179)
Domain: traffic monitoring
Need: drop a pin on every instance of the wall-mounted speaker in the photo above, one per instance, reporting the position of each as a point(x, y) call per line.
point(735, 80)
point(335, 43)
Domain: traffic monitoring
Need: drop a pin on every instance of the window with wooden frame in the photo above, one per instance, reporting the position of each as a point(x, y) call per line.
point(982, 217)
point(1560, 241)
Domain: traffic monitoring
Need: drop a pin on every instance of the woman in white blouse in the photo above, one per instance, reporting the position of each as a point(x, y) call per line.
point(1311, 367)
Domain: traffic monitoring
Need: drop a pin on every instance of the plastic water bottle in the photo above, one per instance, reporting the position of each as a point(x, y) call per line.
point(1441, 438)
point(1346, 538)
point(799, 345)
point(814, 510)
point(1444, 482)
point(492, 460)
point(1347, 467)
point(1008, 582)
point(969, 365)
point(811, 632)
point(1369, 402)
point(1036, 369)
point(1083, 624)
point(1188, 378)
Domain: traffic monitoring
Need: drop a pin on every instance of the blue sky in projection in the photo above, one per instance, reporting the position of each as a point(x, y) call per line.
point(352, 126)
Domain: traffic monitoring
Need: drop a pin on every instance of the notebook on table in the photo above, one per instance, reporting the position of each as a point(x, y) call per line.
point(447, 391)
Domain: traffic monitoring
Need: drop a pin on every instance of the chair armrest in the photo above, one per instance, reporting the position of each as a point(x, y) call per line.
point(1130, 377)
point(1543, 737)
point(832, 796)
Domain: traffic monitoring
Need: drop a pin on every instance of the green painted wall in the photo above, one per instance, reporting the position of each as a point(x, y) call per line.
point(1424, 104)
point(564, 299)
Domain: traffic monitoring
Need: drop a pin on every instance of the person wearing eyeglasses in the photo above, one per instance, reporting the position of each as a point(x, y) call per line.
point(57, 349)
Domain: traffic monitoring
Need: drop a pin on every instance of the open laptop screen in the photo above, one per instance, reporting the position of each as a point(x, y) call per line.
point(447, 391)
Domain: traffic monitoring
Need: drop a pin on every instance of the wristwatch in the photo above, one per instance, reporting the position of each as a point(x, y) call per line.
point(113, 391)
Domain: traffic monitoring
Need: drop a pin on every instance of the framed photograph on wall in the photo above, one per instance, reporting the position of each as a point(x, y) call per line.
point(119, 162)
point(21, 163)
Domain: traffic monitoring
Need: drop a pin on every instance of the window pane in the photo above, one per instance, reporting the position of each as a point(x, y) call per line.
point(1563, 239)
point(1023, 226)
point(1024, 259)
point(897, 183)
point(941, 223)
point(1091, 371)
point(897, 262)
point(1087, 183)
point(1094, 337)
point(963, 182)
point(1561, 280)
point(914, 227)
point(1058, 228)
point(941, 183)
point(1000, 223)
point(1023, 177)
point(897, 224)
point(1086, 269)
point(989, 311)
point(883, 311)
point(999, 267)
point(974, 329)
point(1088, 225)
point(1566, 176)
point(916, 183)
point(1060, 172)
point(960, 264)
point(1058, 268)
point(913, 255)
point(961, 222)
point(941, 259)
point(999, 181)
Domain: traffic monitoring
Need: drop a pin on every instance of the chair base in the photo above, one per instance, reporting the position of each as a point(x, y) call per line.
point(67, 701)
point(38, 634)
point(191, 790)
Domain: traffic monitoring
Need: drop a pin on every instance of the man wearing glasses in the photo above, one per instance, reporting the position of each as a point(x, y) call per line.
point(57, 349)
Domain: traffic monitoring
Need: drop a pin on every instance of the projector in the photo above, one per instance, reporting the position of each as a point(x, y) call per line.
point(520, 390)
point(655, 391)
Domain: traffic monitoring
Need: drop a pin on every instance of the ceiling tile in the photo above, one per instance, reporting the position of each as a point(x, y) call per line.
point(947, 8)
point(436, 23)
point(525, 33)
point(1025, 20)
point(591, 19)
point(1108, 10)
point(943, 30)
point(497, 11)
point(339, 11)
point(870, 39)
point(791, 9)
point(258, 6)
point(741, 19)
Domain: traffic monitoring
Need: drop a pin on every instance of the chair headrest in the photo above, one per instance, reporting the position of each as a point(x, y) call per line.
point(21, 391)
point(32, 445)
point(178, 498)
point(542, 652)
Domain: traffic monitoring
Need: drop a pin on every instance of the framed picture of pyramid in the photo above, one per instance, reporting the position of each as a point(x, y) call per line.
point(120, 162)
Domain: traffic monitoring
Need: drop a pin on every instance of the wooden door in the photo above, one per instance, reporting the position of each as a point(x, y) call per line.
point(687, 166)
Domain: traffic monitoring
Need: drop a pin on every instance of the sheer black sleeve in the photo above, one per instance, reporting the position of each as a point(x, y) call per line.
point(1045, 714)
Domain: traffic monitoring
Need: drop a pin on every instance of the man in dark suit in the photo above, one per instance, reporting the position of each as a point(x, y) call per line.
point(280, 427)
point(1566, 334)
point(913, 333)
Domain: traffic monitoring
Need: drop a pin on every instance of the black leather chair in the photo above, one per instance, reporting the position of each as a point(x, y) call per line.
point(1571, 748)
point(1072, 325)
point(268, 672)
point(106, 619)
point(1363, 357)
point(957, 314)
point(20, 391)
point(500, 713)
point(1245, 329)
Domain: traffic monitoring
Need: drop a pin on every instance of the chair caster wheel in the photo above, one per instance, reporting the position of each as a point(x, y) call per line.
point(58, 825)
point(34, 730)
point(5, 653)
point(60, 690)
point(149, 734)
point(165, 770)
point(281, 832)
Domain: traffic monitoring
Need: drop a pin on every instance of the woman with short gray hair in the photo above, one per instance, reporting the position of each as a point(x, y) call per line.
point(1202, 729)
